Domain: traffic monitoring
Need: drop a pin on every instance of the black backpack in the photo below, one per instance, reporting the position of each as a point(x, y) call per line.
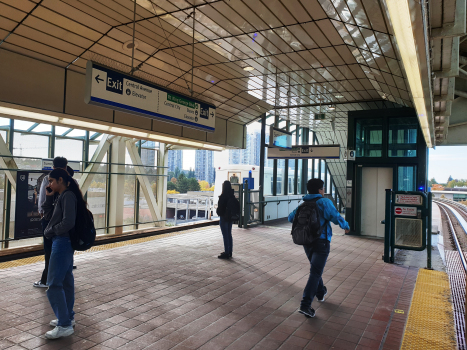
point(84, 234)
point(306, 223)
point(232, 211)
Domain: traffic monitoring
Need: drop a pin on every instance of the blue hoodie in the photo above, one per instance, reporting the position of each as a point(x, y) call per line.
point(327, 214)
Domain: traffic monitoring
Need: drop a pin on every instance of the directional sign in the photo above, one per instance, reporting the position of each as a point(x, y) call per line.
point(305, 152)
point(108, 88)
point(405, 211)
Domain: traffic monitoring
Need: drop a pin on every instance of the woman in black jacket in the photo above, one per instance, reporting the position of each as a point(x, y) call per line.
point(226, 218)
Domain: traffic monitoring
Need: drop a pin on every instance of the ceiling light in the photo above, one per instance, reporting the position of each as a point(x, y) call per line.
point(249, 68)
point(332, 107)
point(60, 120)
point(400, 15)
point(339, 96)
point(128, 46)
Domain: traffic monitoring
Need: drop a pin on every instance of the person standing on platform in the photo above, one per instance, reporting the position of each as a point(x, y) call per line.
point(317, 252)
point(227, 209)
point(58, 163)
point(60, 280)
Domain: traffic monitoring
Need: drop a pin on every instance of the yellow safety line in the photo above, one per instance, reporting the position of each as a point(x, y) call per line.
point(97, 248)
point(430, 324)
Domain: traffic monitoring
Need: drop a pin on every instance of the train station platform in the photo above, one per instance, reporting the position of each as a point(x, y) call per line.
point(171, 292)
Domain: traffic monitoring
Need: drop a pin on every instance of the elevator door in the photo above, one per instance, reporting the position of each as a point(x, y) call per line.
point(374, 183)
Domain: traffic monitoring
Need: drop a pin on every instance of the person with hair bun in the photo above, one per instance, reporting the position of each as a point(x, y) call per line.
point(60, 280)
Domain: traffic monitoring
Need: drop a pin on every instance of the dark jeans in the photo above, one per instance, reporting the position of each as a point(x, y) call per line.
point(226, 228)
point(47, 251)
point(61, 291)
point(317, 253)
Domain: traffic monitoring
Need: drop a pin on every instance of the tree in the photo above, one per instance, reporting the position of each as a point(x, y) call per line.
point(204, 185)
point(450, 178)
point(173, 180)
point(451, 184)
point(171, 186)
point(172, 192)
point(183, 183)
point(432, 182)
point(176, 172)
point(193, 184)
point(191, 174)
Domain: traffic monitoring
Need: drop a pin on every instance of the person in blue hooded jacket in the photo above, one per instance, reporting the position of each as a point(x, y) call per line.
point(317, 252)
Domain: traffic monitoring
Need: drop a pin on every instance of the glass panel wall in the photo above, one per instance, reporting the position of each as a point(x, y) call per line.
point(402, 140)
point(369, 134)
point(406, 178)
point(33, 142)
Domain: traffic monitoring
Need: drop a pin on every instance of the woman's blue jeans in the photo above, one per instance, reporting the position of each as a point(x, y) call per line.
point(61, 291)
point(226, 229)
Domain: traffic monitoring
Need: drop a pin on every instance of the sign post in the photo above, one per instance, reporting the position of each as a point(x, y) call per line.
point(111, 89)
point(407, 217)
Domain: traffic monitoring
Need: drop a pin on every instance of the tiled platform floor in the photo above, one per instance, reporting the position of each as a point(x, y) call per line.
point(173, 293)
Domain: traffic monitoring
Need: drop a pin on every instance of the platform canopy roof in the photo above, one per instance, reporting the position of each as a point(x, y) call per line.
point(301, 53)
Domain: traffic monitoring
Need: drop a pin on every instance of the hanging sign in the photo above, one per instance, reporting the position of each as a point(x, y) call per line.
point(305, 152)
point(108, 88)
point(411, 199)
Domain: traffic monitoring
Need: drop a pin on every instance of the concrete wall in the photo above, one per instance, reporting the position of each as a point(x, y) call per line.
point(32, 83)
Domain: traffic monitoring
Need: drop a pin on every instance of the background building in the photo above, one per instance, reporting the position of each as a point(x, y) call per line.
point(148, 154)
point(175, 160)
point(204, 169)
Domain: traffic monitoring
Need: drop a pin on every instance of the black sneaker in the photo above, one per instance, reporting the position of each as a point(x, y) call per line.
point(321, 296)
point(223, 255)
point(308, 311)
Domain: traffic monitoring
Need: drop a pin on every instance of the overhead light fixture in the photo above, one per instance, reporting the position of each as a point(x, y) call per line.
point(400, 15)
point(338, 96)
point(128, 46)
point(249, 68)
point(332, 107)
point(58, 120)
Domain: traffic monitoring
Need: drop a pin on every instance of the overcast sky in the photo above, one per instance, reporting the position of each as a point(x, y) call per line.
point(448, 160)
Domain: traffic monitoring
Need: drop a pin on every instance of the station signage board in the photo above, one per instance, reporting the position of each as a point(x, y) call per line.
point(410, 199)
point(305, 152)
point(405, 211)
point(111, 89)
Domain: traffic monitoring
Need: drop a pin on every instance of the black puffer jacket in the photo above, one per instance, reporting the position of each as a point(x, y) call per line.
point(222, 204)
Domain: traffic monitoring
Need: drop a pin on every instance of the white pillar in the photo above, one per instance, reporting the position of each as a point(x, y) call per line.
point(196, 209)
point(161, 188)
point(117, 184)
point(176, 211)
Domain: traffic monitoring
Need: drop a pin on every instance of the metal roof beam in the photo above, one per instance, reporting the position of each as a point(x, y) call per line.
point(458, 28)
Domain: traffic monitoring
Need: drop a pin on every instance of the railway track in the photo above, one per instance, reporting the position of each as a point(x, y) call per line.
point(455, 216)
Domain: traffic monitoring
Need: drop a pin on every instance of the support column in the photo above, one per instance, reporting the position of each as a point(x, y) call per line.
point(176, 211)
point(117, 183)
point(262, 160)
point(196, 209)
point(161, 187)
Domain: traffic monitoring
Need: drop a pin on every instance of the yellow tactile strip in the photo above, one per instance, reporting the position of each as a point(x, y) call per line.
point(35, 259)
point(430, 324)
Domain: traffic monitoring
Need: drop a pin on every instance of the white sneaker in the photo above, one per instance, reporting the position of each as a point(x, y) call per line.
point(39, 284)
point(54, 323)
point(59, 332)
